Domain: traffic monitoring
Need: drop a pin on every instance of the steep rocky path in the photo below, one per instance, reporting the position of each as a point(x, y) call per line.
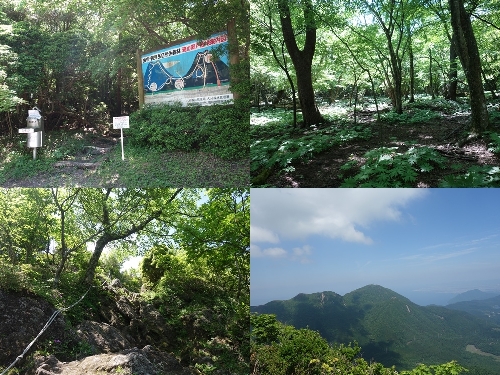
point(121, 326)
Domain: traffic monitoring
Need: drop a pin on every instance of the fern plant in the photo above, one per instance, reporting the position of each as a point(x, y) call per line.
point(476, 176)
point(273, 149)
point(385, 167)
point(494, 145)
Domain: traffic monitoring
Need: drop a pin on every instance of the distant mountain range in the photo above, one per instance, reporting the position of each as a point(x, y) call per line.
point(393, 330)
point(472, 295)
point(488, 309)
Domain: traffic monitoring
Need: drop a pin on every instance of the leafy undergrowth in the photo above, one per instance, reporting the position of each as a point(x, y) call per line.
point(412, 116)
point(280, 145)
point(385, 167)
point(478, 175)
point(279, 349)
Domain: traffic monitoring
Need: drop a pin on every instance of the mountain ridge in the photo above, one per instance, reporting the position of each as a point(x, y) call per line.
point(389, 327)
point(472, 295)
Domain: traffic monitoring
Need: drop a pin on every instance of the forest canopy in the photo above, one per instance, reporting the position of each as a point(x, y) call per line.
point(393, 48)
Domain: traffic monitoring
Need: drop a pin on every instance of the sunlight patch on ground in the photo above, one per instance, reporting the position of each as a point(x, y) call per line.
point(267, 116)
point(334, 110)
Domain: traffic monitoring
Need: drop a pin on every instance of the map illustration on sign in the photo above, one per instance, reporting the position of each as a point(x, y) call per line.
point(188, 73)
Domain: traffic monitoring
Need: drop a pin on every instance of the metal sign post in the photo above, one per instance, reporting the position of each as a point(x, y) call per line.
point(121, 123)
point(34, 129)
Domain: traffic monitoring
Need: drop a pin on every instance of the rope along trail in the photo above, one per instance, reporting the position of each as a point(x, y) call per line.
point(49, 322)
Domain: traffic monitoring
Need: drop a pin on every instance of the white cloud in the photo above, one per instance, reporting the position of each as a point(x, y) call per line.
point(263, 235)
point(427, 258)
point(301, 254)
point(335, 213)
point(301, 251)
point(273, 252)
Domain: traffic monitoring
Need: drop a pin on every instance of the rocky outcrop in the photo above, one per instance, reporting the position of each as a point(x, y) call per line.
point(22, 317)
point(121, 320)
point(146, 361)
point(102, 337)
point(139, 322)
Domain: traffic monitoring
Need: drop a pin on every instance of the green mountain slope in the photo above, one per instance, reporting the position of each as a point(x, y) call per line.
point(391, 329)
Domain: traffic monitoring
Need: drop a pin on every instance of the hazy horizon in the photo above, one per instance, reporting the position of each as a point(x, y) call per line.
point(426, 244)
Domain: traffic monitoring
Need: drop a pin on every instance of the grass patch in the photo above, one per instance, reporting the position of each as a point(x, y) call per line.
point(153, 168)
point(144, 166)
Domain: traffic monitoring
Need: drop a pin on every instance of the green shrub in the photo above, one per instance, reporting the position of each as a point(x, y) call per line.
point(438, 105)
point(494, 142)
point(219, 130)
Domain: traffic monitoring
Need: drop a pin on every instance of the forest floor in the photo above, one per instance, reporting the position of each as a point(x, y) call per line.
point(76, 158)
point(421, 148)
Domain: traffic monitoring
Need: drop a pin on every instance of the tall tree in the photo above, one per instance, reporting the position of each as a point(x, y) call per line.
point(392, 16)
point(117, 214)
point(468, 53)
point(302, 59)
point(64, 201)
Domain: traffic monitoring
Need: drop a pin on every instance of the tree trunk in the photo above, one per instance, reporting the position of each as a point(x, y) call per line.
point(234, 57)
point(452, 75)
point(310, 111)
point(431, 83)
point(302, 59)
point(96, 255)
point(412, 69)
point(471, 63)
point(119, 109)
point(119, 233)
point(397, 76)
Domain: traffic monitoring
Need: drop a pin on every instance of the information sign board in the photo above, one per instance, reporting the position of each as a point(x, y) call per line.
point(187, 72)
point(121, 122)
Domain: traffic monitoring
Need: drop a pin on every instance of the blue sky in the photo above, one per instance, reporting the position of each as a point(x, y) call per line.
point(427, 244)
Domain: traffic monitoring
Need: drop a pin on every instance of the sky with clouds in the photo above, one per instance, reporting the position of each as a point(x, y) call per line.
point(427, 244)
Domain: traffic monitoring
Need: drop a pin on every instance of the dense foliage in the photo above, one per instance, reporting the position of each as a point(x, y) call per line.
point(222, 131)
point(396, 49)
point(196, 264)
point(279, 349)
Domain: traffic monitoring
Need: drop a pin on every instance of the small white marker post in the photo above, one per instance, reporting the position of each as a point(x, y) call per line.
point(121, 123)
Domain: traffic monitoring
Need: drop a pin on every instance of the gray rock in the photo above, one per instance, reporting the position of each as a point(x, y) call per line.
point(102, 337)
point(22, 317)
point(146, 361)
point(116, 283)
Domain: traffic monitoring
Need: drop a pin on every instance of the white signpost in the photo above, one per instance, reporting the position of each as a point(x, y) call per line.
point(121, 123)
